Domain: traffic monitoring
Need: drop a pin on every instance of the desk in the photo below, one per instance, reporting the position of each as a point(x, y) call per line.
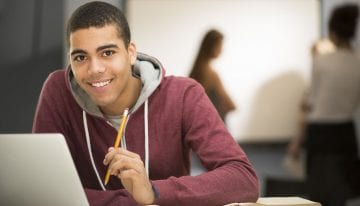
point(278, 201)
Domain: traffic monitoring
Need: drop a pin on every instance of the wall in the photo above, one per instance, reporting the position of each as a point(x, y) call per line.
point(33, 37)
point(18, 46)
point(265, 61)
point(31, 42)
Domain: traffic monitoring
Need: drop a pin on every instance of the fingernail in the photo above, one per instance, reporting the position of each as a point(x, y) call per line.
point(105, 162)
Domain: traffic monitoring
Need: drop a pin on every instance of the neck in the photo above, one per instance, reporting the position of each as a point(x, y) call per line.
point(344, 45)
point(341, 43)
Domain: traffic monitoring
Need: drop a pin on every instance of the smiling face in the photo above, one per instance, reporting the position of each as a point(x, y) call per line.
point(101, 65)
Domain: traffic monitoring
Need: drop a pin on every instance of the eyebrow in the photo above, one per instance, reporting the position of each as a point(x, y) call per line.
point(100, 48)
point(77, 51)
point(107, 46)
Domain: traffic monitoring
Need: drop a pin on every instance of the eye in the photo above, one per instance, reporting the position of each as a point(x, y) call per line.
point(79, 58)
point(108, 53)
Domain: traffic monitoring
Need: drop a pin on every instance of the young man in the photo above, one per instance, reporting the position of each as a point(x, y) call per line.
point(168, 117)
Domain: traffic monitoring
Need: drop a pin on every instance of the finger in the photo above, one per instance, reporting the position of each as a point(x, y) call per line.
point(127, 153)
point(109, 156)
point(112, 151)
point(122, 162)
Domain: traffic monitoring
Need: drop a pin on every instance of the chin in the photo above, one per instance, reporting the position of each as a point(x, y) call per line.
point(101, 102)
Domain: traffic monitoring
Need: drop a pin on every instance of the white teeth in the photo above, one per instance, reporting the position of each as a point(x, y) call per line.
point(100, 84)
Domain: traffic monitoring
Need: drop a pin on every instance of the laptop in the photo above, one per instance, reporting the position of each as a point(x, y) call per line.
point(37, 169)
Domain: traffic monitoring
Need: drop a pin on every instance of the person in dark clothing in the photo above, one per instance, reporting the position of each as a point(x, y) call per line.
point(330, 136)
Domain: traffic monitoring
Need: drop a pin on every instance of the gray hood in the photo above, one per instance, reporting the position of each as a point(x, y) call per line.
point(147, 68)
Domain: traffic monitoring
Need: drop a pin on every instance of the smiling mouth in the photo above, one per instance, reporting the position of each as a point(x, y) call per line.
point(100, 84)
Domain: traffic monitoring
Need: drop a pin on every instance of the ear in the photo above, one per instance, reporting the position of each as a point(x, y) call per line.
point(132, 53)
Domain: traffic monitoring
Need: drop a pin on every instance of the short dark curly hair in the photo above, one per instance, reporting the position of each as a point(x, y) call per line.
point(98, 14)
point(343, 21)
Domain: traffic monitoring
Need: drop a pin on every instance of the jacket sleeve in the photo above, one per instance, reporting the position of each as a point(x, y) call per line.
point(109, 198)
point(50, 117)
point(230, 176)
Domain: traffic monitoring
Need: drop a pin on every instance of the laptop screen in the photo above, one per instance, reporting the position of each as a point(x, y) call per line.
point(37, 169)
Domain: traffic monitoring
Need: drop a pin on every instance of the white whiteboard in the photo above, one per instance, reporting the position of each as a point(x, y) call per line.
point(265, 63)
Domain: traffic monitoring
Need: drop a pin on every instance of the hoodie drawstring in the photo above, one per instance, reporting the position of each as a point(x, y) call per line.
point(123, 143)
point(146, 125)
point(90, 152)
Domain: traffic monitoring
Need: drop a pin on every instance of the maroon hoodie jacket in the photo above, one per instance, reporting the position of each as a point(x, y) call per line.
point(180, 118)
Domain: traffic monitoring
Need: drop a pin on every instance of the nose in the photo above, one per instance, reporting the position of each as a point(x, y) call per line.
point(96, 66)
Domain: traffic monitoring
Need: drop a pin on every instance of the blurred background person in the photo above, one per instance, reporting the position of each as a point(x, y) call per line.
point(294, 160)
point(203, 72)
point(334, 95)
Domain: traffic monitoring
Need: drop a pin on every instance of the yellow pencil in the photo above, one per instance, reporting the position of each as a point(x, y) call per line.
point(118, 139)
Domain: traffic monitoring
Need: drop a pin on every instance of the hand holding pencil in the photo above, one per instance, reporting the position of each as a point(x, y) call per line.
point(118, 140)
point(129, 168)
